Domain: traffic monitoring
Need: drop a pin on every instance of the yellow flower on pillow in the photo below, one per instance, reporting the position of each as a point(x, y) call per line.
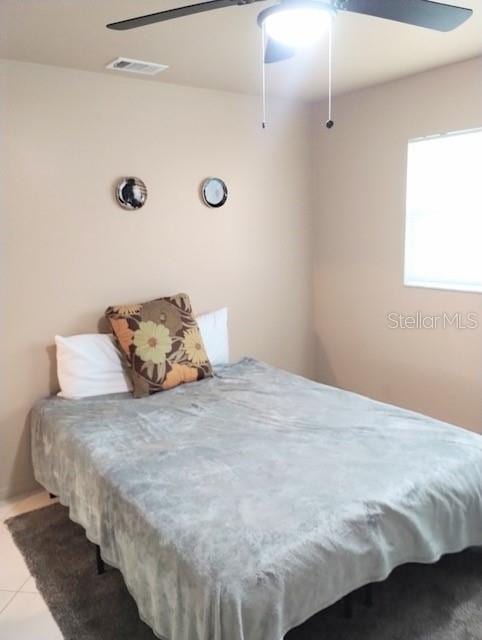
point(128, 309)
point(152, 342)
point(193, 346)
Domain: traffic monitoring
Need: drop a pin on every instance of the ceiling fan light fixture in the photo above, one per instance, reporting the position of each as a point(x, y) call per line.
point(298, 25)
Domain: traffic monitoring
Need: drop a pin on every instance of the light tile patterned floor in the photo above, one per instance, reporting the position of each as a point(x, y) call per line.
point(23, 612)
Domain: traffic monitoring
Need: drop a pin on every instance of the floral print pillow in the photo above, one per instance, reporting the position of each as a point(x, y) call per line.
point(161, 343)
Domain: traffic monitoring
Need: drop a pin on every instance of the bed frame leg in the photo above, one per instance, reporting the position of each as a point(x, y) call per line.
point(368, 595)
point(99, 561)
point(348, 606)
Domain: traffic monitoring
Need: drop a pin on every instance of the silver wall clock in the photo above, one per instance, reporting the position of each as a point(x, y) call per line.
point(131, 193)
point(214, 192)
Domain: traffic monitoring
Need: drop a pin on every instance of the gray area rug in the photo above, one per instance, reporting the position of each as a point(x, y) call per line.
point(417, 602)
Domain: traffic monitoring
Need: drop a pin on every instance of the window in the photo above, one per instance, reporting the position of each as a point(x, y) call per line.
point(443, 235)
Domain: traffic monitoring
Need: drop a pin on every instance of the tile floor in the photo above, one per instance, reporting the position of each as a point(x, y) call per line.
point(23, 612)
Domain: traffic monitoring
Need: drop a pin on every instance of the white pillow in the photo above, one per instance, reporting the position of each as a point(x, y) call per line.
point(90, 365)
point(214, 332)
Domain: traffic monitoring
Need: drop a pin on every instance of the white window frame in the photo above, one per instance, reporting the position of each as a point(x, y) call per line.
point(468, 288)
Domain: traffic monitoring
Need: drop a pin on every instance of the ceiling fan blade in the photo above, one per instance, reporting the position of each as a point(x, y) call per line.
point(170, 14)
point(421, 13)
point(276, 52)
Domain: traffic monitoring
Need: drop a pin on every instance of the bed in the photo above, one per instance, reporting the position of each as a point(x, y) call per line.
point(237, 507)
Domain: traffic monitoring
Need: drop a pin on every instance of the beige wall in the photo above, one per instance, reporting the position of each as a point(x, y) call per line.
point(359, 177)
point(69, 250)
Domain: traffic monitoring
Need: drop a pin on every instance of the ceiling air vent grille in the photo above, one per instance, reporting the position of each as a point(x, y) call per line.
point(136, 66)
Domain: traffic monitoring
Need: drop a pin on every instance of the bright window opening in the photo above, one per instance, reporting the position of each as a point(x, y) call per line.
point(443, 236)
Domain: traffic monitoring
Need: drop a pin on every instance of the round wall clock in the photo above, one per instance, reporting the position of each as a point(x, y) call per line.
point(131, 193)
point(214, 192)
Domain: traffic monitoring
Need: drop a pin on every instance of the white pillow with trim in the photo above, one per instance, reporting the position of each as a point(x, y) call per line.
point(90, 365)
point(214, 332)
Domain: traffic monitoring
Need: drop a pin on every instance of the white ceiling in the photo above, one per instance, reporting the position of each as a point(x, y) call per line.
point(221, 49)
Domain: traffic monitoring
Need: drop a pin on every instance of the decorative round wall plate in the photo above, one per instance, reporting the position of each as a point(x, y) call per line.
point(214, 192)
point(131, 193)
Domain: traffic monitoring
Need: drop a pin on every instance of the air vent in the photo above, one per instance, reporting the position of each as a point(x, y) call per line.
point(136, 66)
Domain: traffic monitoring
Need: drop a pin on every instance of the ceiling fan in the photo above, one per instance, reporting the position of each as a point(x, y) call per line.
point(290, 24)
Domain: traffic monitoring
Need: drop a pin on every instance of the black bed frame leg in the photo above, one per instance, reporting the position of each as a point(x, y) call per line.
point(368, 595)
point(100, 562)
point(348, 606)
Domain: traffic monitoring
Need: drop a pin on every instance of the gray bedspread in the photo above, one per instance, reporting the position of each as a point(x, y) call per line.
point(236, 507)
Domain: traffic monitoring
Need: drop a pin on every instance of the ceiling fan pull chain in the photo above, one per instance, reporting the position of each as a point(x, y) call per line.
point(263, 74)
point(330, 122)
